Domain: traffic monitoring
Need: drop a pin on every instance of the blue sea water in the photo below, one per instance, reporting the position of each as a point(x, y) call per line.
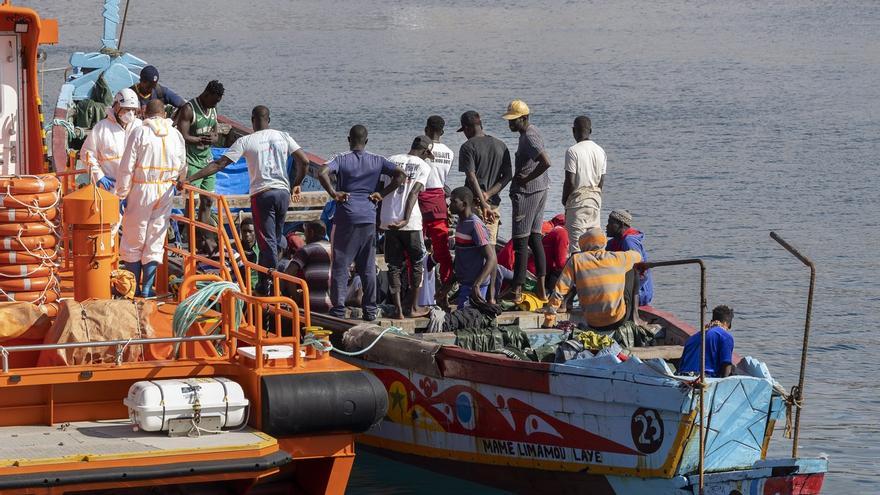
point(721, 120)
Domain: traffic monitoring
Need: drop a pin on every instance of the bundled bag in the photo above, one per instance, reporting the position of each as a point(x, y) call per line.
point(97, 321)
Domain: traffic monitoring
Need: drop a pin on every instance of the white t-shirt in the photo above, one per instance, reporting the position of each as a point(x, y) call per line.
point(266, 154)
point(439, 166)
point(416, 170)
point(587, 161)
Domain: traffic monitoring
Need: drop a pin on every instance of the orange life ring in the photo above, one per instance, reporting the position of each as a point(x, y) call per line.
point(50, 296)
point(27, 284)
point(25, 271)
point(15, 257)
point(29, 185)
point(24, 215)
point(28, 243)
point(26, 229)
point(40, 200)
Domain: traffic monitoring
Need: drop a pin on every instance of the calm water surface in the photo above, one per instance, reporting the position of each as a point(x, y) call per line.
point(721, 120)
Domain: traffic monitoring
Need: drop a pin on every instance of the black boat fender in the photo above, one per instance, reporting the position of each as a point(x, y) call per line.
point(344, 401)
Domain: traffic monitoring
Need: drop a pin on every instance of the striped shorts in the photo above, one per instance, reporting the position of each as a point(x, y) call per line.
point(528, 213)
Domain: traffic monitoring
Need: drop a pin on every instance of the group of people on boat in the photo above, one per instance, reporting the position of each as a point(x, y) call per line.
point(140, 155)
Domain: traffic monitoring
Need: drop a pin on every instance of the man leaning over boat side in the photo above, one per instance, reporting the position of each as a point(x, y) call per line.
point(104, 146)
point(585, 165)
point(197, 121)
point(719, 347)
point(528, 195)
point(605, 286)
point(148, 89)
point(353, 238)
point(266, 152)
point(154, 159)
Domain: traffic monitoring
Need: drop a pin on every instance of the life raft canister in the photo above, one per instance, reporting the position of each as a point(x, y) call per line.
point(28, 238)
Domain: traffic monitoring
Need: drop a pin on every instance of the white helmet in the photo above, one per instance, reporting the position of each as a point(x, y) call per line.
point(127, 99)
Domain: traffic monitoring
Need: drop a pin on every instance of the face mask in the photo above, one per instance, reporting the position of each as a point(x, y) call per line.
point(126, 117)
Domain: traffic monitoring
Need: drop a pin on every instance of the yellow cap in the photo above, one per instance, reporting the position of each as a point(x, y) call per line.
point(515, 110)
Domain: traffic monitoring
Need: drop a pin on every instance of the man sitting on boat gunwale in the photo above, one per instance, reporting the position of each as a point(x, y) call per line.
point(266, 152)
point(605, 285)
point(719, 347)
point(475, 259)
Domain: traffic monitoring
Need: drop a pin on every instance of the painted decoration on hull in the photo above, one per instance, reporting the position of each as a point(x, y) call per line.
point(503, 426)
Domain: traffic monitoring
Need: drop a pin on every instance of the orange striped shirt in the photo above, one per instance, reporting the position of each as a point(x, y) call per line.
point(600, 277)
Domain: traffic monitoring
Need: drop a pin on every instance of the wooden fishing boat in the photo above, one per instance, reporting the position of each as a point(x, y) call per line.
point(237, 409)
point(598, 426)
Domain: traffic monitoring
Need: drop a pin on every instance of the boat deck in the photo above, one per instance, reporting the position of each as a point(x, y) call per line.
point(104, 440)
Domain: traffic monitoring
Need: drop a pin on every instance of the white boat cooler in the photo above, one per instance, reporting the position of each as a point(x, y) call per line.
point(153, 403)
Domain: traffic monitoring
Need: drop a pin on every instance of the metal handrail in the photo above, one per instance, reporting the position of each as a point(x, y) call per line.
point(231, 244)
point(702, 385)
point(798, 393)
point(5, 351)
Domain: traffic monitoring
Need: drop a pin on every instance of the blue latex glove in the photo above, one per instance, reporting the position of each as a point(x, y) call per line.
point(106, 183)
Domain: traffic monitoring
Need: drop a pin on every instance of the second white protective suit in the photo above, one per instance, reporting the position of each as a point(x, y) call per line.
point(154, 158)
point(103, 147)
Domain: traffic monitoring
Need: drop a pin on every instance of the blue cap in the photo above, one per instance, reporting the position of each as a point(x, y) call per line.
point(150, 74)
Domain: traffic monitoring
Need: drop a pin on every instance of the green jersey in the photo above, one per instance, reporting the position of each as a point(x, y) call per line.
point(202, 124)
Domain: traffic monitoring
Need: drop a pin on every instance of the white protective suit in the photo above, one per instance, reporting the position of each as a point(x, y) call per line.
point(103, 147)
point(154, 158)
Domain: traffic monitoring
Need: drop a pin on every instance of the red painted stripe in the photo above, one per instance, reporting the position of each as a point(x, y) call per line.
point(455, 362)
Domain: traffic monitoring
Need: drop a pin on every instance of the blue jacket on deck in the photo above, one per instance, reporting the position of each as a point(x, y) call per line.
point(632, 240)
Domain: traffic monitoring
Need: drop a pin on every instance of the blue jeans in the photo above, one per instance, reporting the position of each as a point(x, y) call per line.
point(269, 209)
point(353, 243)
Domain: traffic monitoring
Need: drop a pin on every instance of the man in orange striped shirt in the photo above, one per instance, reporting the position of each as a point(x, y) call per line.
point(600, 277)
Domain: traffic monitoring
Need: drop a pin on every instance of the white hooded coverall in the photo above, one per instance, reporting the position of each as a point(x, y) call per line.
point(154, 158)
point(103, 147)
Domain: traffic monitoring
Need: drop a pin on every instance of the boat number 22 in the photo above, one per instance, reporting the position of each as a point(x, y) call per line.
point(647, 430)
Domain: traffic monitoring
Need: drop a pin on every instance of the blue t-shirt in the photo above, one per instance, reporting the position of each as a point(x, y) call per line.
point(719, 347)
point(471, 235)
point(357, 173)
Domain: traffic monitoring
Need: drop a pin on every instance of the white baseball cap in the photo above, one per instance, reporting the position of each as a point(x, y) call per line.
point(126, 98)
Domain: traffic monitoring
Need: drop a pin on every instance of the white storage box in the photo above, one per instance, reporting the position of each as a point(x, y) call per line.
point(152, 404)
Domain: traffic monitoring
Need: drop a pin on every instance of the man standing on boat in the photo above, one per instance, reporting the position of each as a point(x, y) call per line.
point(528, 194)
point(149, 89)
point(623, 237)
point(104, 146)
point(197, 121)
point(432, 201)
point(585, 165)
point(485, 161)
point(354, 223)
point(266, 152)
point(402, 222)
point(154, 159)
point(719, 347)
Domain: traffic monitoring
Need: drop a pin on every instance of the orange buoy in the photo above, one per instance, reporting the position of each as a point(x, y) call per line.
point(26, 284)
point(16, 257)
point(39, 200)
point(48, 296)
point(25, 229)
point(28, 243)
point(29, 185)
point(25, 270)
point(24, 215)
point(90, 213)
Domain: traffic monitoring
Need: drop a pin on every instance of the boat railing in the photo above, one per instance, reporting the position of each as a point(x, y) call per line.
point(119, 344)
point(702, 380)
point(229, 244)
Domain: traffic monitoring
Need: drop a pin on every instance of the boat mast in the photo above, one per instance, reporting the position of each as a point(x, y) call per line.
point(110, 40)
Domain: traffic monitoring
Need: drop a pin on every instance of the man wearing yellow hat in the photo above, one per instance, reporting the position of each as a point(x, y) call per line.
point(528, 194)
